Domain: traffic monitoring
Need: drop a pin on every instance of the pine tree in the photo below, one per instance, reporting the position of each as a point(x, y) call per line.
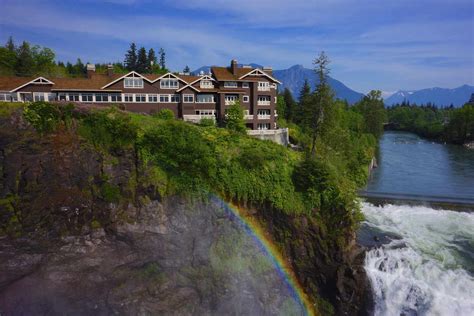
point(162, 58)
point(152, 61)
point(142, 61)
point(79, 68)
point(316, 106)
point(131, 57)
point(10, 44)
point(25, 62)
point(305, 93)
point(186, 69)
point(290, 104)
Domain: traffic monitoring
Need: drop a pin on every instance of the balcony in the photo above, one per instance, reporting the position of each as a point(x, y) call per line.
point(196, 118)
point(248, 117)
point(264, 116)
point(230, 102)
point(261, 102)
point(267, 88)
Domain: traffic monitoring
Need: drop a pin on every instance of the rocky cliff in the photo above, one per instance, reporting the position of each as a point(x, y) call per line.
point(84, 232)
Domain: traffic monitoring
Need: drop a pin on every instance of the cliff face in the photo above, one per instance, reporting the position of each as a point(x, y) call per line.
point(83, 232)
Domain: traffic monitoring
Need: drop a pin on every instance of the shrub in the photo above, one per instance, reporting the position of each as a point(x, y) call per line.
point(44, 116)
point(164, 114)
point(205, 122)
point(109, 128)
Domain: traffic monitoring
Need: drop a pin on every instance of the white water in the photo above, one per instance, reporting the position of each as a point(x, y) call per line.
point(429, 270)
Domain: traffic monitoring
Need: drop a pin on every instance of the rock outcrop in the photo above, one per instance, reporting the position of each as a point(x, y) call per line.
point(82, 232)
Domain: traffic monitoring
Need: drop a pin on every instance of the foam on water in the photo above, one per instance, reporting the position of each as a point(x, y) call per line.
point(429, 271)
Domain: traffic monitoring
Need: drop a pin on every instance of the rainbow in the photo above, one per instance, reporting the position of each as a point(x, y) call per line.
point(252, 227)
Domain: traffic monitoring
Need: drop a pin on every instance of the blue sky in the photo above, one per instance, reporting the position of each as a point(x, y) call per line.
point(373, 44)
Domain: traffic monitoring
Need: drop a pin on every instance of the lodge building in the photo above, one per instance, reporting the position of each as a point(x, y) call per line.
point(190, 97)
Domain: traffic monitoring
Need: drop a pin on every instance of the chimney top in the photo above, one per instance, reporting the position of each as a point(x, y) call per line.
point(233, 66)
point(90, 70)
point(110, 70)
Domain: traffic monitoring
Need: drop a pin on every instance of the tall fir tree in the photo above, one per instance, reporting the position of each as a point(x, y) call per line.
point(305, 93)
point(186, 69)
point(131, 57)
point(152, 61)
point(142, 61)
point(25, 63)
point(290, 105)
point(10, 44)
point(319, 102)
point(162, 58)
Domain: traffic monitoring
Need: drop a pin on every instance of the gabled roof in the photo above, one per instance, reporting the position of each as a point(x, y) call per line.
point(10, 83)
point(260, 72)
point(199, 78)
point(133, 73)
point(225, 73)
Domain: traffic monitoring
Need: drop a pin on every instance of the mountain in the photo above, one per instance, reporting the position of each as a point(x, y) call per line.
point(438, 96)
point(293, 79)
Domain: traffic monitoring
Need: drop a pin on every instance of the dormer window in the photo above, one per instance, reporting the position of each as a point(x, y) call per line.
point(230, 84)
point(133, 82)
point(169, 83)
point(206, 84)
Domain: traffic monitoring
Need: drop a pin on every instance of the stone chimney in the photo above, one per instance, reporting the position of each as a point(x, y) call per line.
point(110, 70)
point(233, 66)
point(268, 70)
point(90, 70)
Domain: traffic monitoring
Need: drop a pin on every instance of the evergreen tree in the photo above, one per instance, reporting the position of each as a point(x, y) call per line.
point(290, 105)
point(186, 69)
point(25, 63)
point(162, 58)
point(152, 61)
point(305, 93)
point(372, 109)
point(79, 69)
point(316, 106)
point(10, 44)
point(142, 65)
point(131, 57)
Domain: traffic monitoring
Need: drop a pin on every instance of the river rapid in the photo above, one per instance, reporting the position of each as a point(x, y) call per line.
point(421, 259)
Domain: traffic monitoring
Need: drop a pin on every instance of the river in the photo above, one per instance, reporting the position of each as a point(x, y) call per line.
point(421, 260)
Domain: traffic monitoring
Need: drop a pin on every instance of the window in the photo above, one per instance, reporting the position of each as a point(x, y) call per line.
point(74, 97)
point(38, 96)
point(128, 97)
point(62, 97)
point(230, 99)
point(246, 98)
point(169, 83)
point(230, 84)
point(174, 98)
point(164, 98)
point(5, 97)
point(133, 83)
point(101, 97)
point(205, 112)
point(188, 98)
point(87, 97)
point(140, 97)
point(263, 100)
point(245, 84)
point(205, 98)
point(116, 97)
point(51, 96)
point(263, 86)
point(206, 84)
point(263, 114)
point(263, 126)
point(152, 98)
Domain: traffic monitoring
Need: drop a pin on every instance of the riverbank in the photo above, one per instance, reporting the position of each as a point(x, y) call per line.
point(420, 260)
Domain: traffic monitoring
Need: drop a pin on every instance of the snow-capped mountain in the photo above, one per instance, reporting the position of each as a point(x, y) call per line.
point(438, 96)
